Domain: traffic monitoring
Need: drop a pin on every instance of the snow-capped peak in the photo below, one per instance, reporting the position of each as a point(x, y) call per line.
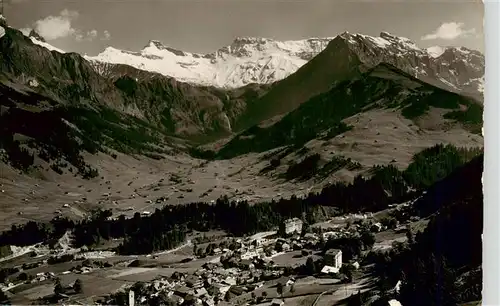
point(158, 45)
point(37, 39)
point(383, 41)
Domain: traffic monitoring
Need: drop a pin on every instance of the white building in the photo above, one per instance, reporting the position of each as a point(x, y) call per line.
point(249, 255)
point(329, 235)
point(291, 226)
point(333, 257)
point(329, 270)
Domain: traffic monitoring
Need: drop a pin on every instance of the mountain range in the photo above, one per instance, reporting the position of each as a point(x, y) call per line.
point(308, 90)
point(261, 60)
point(246, 60)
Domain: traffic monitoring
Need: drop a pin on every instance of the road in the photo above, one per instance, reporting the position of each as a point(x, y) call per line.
point(320, 295)
point(173, 250)
point(344, 292)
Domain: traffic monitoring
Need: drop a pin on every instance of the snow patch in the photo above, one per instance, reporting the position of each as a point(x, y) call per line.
point(380, 42)
point(33, 83)
point(463, 50)
point(71, 125)
point(479, 82)
point(435, 51)
point(480, 85)
point(46, 45)
point(447, 83)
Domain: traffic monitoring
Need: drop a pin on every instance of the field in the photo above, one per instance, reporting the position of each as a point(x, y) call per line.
point(291, 259)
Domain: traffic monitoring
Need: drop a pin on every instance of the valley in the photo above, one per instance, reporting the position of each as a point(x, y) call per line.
point(139, 184)
point(321, 171)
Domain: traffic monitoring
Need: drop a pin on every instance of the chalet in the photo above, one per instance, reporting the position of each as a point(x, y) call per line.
point(217, 251)
point(377, 227)
point(235, 291)
point(200, 272)
point(193, 281)
point(221, 288)
point(200, 292)
point(183, 291)
point(230, 280)
point(333, 257)
point(209, 302)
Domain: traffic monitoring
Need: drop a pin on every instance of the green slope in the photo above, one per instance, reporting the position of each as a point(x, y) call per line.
point(319, 75)
point(381, 87)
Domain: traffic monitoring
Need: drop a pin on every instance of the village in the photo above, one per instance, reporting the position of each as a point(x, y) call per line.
point(261, 269)
point(296, 262)
point(243, 269)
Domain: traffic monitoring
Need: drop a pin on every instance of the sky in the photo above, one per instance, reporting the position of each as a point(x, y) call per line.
point(203, 26)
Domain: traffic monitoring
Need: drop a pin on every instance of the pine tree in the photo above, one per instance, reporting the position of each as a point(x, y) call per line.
point(279, 289)
point(310, 267)
point(58, 288)
point(78, 286)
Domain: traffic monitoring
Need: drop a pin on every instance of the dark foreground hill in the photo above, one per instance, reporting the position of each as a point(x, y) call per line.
point(442, 265)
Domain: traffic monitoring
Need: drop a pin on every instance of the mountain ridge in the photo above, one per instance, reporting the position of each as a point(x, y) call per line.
point(349, 55)
point(381, 87)
point(259, 60)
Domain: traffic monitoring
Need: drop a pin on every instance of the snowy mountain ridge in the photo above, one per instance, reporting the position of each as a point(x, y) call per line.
point(456, 68)
point(247, 60)
point(263, 61)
